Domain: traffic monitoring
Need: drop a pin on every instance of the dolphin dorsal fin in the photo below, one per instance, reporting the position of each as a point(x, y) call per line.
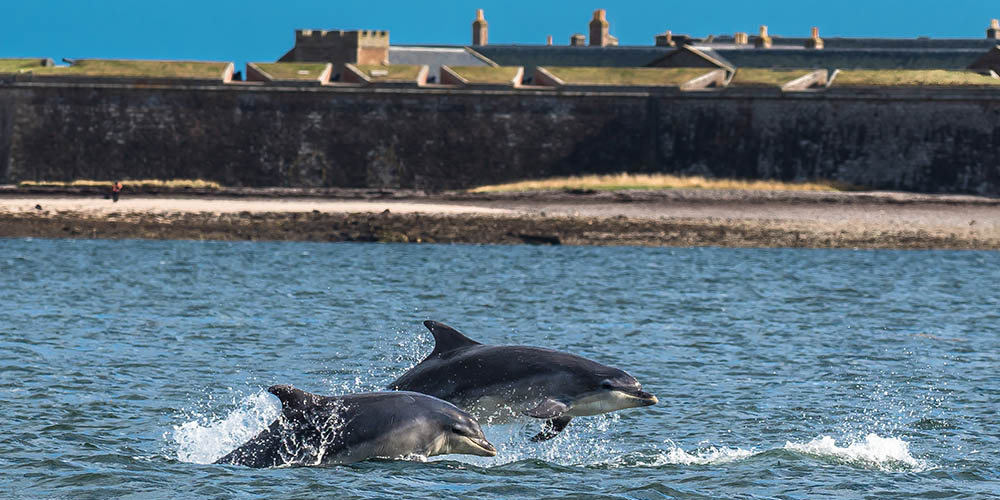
point(291, 398)
point(446, 338)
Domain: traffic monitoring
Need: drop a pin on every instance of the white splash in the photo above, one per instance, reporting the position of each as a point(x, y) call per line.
point(704, 456)
point(205, 440)
point(875, 451)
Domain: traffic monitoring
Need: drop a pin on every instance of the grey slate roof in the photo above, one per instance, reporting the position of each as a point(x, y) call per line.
point(865, 43)
point(434, 57)
point(847, 58)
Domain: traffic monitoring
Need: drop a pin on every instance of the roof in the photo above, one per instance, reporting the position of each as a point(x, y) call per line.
point(750, 57)
point(435, 57)
point(726, 41)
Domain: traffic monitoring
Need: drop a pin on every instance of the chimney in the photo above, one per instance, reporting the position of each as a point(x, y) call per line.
point(763, 41)
point(814, 42)
point(479, 29)
point(741, 38)
point(548, 40)
point(599, 29)
point(665, 39)
point(577, 40)
point(994, 31)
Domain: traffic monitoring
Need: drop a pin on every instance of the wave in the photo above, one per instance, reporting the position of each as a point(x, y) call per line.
point(883, 453)
point(585, 443)
point(873, 452)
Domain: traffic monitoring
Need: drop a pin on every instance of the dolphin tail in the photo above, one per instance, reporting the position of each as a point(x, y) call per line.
point(551, 429)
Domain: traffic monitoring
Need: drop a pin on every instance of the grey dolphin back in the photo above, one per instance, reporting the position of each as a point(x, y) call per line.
point(446, 338)
point(293, 399)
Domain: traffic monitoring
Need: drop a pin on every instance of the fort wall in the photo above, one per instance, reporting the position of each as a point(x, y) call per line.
point(931, 140)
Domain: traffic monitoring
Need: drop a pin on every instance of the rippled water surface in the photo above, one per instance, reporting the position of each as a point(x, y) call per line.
point(127, 367)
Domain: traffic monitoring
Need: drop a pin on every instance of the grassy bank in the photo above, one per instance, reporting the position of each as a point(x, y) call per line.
point(141, 183)
point(659, 181)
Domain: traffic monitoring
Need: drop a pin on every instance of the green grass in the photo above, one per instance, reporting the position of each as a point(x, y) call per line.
point(487, 74)
point(754, 77)
point(135, 68)
point(893, 78)
point(141, 183)
point(293, 70)
point(396, 72)
point(15, 65)
point(624, 181)
point(652, 77)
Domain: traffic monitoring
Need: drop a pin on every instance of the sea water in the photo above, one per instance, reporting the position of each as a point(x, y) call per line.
point(127, 367)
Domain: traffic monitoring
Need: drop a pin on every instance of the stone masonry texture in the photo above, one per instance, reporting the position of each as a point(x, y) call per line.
point(928, 141)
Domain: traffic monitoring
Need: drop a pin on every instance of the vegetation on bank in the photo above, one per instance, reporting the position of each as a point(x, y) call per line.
point(392, 72)
point(136, 69)
point(487, 74)
point(758, 77)
point(16, 65)
point(141, 183)
point(621, 182)
point(651, 77)
point(911, 77)
point(293, 70)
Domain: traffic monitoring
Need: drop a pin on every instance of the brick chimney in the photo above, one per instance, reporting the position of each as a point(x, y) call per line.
point(599, 35)
point(993, 32)
point(763, 41)
point(814, 42)
point(741, 38)
point(665, 39)
point(548, 40)
point(577, 40)
point(479, 29)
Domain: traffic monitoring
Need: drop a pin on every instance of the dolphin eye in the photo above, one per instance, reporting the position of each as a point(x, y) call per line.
point(606, 385)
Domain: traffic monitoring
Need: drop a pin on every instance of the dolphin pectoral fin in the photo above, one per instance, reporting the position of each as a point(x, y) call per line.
point(551, 429)
point(550, 408)
point(446, 338)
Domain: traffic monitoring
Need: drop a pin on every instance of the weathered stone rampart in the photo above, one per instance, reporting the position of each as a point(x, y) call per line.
point(931, 140)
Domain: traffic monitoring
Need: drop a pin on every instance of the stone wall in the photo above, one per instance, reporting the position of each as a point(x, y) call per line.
point(931, 141)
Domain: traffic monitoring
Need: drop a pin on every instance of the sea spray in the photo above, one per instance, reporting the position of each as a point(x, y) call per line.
point(206, 439)
point(882, 453)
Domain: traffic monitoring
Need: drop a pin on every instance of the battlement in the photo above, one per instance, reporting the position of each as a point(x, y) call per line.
point(340, 46)
point(356, 37)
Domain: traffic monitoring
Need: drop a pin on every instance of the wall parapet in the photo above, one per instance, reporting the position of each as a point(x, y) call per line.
point(434, 138)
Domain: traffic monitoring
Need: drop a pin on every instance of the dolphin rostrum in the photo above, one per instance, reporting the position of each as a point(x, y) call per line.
point(495, 383)
point(313, 430)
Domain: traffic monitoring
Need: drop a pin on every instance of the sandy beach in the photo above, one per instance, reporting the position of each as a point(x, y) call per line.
point(667, 218)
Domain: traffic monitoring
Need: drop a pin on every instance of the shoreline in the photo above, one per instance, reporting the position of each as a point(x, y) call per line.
point(737, 219)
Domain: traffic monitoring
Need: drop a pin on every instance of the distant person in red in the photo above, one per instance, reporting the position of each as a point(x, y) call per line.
point(116, 188)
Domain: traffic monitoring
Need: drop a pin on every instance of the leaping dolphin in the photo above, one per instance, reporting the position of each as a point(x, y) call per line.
point(495, 383)
point(313, 430)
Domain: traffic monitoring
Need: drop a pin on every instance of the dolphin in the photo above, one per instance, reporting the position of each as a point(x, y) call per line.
point(314, 430)
point(495, 383)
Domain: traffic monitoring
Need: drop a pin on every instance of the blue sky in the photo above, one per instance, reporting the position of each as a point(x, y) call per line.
point(262, 30)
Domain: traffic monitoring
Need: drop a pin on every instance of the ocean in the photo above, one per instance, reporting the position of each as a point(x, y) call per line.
point(127, 367)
